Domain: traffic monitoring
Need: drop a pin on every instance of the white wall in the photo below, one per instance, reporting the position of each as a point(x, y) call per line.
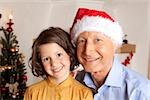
point(63, 11)
point(134, 20)
point(149, 36)
point(30, 17)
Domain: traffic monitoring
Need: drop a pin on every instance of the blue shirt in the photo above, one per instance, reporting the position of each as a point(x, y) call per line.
point(121, 84)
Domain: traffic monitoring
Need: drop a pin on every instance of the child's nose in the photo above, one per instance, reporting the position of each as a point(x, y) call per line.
point(54, 62)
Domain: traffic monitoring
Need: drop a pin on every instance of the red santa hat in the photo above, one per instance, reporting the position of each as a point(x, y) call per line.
point(98, 21)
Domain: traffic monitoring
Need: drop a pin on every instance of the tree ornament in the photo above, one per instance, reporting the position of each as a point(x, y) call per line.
point(3, 89)
point(22, 57)
point(10, 23)
point(16, 49)
point(24, 77)
point(125, 41)
point(128, 59)
point(13, 88)
point(12, 49)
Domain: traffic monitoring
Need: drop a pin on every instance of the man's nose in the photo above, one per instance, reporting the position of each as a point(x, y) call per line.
point(89, 47)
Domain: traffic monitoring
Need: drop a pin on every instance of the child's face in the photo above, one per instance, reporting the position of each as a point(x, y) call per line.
point(55, 60)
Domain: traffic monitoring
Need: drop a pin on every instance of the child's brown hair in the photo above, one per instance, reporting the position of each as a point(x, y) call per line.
point(51, 35)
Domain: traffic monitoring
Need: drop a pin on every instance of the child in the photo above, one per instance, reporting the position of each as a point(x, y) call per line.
point(53, 57)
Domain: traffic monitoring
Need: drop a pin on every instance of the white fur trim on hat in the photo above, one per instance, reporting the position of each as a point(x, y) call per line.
point(98, 24)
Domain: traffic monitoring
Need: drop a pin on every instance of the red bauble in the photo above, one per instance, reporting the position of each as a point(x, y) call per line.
point(9, 29)
point(3, 89)
point(24, 77)
point(128, 59)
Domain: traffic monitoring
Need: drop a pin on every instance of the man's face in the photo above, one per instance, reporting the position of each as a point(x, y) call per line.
point(95, 51)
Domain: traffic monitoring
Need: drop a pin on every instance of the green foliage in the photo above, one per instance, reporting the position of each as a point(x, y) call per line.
point(12, 67)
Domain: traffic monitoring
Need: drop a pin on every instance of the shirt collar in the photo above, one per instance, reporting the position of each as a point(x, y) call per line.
point(65, 83)
point(114, 77)
point(88, 81)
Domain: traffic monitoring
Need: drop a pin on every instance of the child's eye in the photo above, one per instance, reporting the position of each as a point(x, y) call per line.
point(45, 59)
point(59, 54)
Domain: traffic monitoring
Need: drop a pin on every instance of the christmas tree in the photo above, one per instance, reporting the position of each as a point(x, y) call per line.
point(12, 67)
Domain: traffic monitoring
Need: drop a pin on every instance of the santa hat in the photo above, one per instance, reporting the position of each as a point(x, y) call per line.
point(97, 21)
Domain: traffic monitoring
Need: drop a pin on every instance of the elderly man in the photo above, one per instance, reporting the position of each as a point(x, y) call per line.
point(96, 36)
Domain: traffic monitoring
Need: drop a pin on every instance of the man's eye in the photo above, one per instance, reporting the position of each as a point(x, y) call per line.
point(80, 41)
point(98, 40)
